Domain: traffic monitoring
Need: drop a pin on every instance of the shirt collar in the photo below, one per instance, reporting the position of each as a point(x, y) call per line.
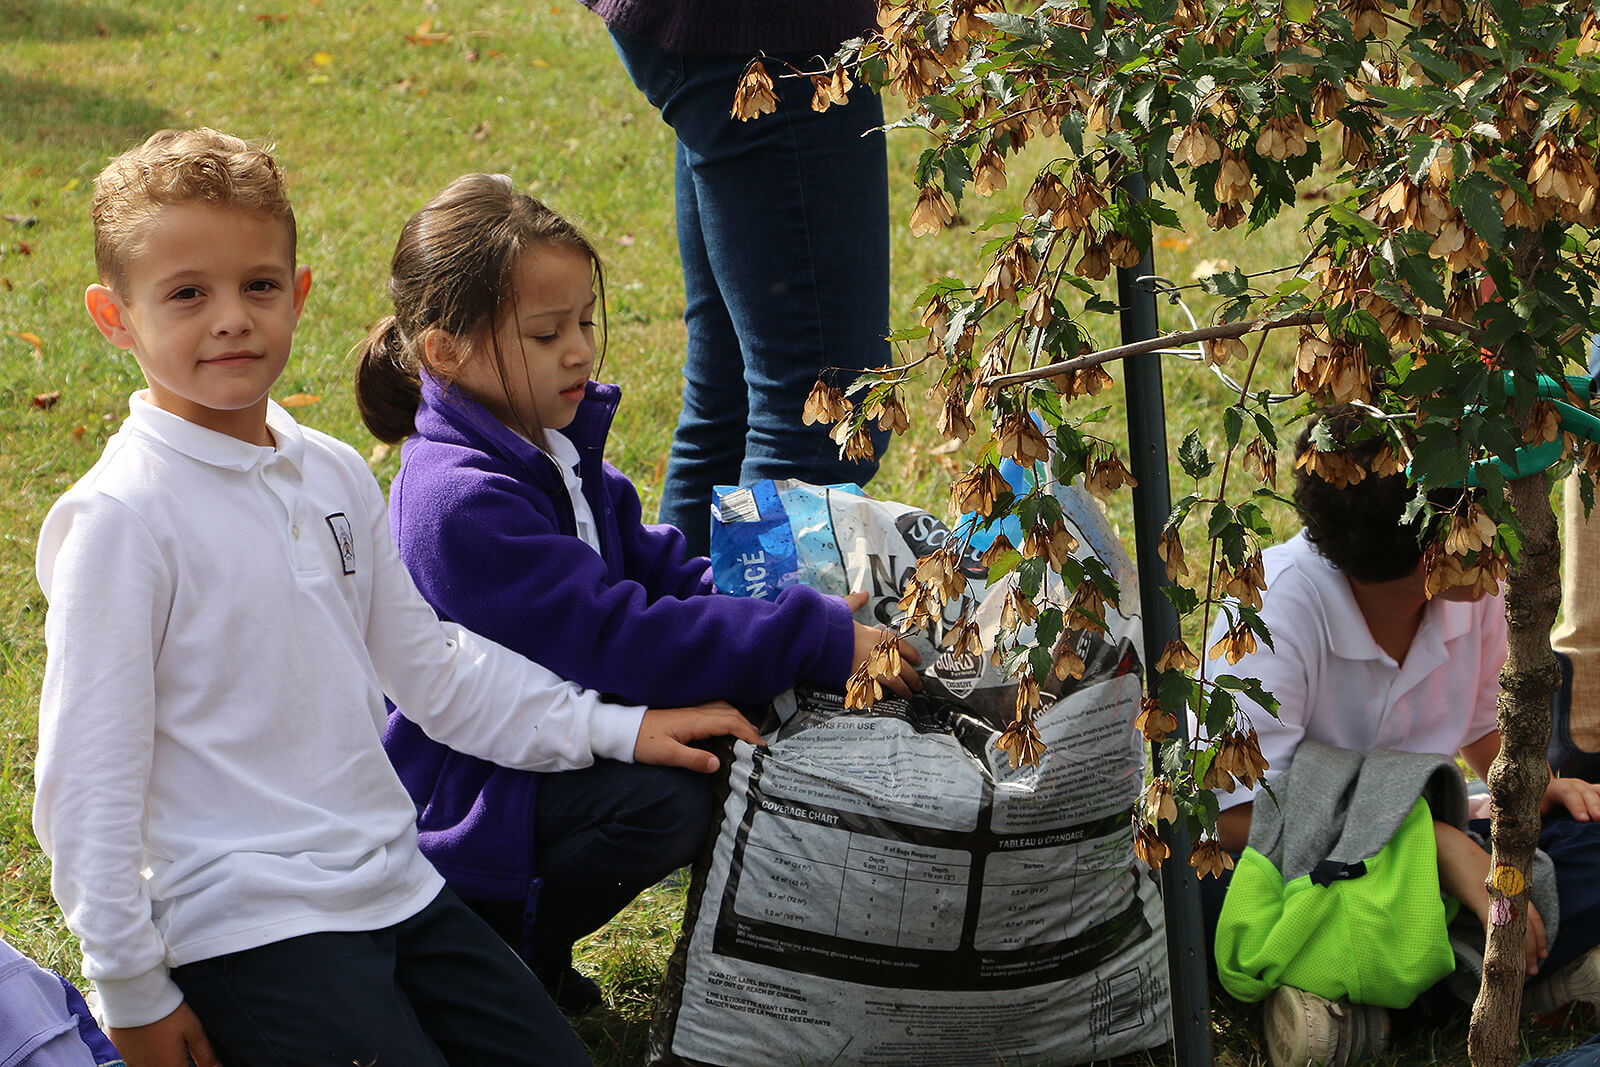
point(218, 449)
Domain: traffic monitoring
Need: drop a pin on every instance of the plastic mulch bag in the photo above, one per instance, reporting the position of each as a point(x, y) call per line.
point(884, 888)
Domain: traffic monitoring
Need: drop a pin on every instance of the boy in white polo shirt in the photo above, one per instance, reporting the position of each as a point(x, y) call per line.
point(229, 842)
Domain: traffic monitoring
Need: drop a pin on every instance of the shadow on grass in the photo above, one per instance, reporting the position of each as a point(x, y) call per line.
point(50, 20)
point(71, 117)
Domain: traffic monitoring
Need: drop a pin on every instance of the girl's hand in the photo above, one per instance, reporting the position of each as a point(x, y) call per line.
point(666, 733)
point(169, 1042)
point(1581, 799)
point(1534, 941)
point(869, 637)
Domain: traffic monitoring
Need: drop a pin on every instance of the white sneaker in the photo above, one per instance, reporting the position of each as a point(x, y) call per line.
point(1303, 1029)
point(1577, 982)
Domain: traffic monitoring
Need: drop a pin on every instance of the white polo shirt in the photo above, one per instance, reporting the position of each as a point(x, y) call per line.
point(224, 621)
point(1335, 685)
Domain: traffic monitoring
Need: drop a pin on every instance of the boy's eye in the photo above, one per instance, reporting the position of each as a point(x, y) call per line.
point(262, 285)
point(188, 292)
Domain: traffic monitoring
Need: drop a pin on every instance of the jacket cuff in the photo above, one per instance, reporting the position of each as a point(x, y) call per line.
point(614, 731)
point(138, 1001)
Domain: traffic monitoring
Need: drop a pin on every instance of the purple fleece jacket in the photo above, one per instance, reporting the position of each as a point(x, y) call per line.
point(485, 526)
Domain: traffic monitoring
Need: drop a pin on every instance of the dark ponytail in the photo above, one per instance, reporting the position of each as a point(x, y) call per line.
point(388, 390)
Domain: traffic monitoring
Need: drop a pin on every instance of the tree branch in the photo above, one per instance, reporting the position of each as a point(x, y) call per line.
point(1189, 337)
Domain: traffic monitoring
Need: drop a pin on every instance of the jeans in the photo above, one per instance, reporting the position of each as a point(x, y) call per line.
point(602, 834)
point(436, 989)
point(783, 234)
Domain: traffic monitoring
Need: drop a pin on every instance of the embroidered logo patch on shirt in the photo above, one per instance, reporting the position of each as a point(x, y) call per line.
point(344, 540)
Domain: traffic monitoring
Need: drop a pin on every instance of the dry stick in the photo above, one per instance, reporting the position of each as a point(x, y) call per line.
point(1189, 337)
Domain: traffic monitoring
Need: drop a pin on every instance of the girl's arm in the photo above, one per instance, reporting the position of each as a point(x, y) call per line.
point(472, 693)
point(654, 554)
point(1463, 870)
point(487, 550)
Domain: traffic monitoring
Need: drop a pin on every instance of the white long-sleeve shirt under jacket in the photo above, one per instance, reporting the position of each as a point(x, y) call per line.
point(224, 620)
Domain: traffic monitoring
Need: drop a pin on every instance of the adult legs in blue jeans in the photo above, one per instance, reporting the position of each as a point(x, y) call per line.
point(436, 989)
point(783, 234)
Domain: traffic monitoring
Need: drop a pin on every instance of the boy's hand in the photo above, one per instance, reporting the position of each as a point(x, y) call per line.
point(869, 637)
point(1581, 799)
point(169, 1042)
point(665, 733)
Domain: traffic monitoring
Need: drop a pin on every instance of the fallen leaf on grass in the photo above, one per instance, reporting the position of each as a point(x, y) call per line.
point(299, 400)
point(482, 131)
point(24, 248)
point(540, 64)
point(626, 240)
point(46, 401)
point(322, 59)
point(78, 432)
point(5, 283)
point(22, 220)
point(31, 338)
point(1176, 244)
point(276, 17)
point(380, 452)
point(425, 35)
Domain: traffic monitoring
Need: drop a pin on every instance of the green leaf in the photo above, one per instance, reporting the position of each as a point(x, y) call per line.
point(1220, 712)
point(1193, 457)
point(1298, 11)
point(1184, 600)
point(1228, 283)
point(1256, 691)
point(1474, 194)
point(945, 108)
point(1003, 565)
point(1233, 424)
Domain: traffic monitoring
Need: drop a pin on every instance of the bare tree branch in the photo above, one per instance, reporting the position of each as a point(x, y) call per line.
point(1189, 337)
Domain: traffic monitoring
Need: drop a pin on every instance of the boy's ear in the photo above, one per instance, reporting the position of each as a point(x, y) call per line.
point(302, 286)
point(105, 308)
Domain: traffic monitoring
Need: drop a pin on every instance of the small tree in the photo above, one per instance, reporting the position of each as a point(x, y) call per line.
point(1448, 273)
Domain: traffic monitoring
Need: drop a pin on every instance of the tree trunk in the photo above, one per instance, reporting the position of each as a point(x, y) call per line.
point(1518, 776)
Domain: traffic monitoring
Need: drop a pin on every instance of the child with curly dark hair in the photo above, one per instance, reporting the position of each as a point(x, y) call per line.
point(1365, 656)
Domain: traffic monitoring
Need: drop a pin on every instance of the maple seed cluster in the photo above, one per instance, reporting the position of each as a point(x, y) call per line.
point(1237, 756)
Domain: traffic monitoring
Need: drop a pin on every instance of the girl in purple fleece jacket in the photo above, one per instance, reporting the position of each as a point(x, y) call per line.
point(514, 526)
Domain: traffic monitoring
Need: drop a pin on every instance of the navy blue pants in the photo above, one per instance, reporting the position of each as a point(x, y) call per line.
point(436, 989)
point(783, 230)
point(601, 835)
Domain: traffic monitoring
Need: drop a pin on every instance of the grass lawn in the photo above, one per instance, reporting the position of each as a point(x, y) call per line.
point(373, 107)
